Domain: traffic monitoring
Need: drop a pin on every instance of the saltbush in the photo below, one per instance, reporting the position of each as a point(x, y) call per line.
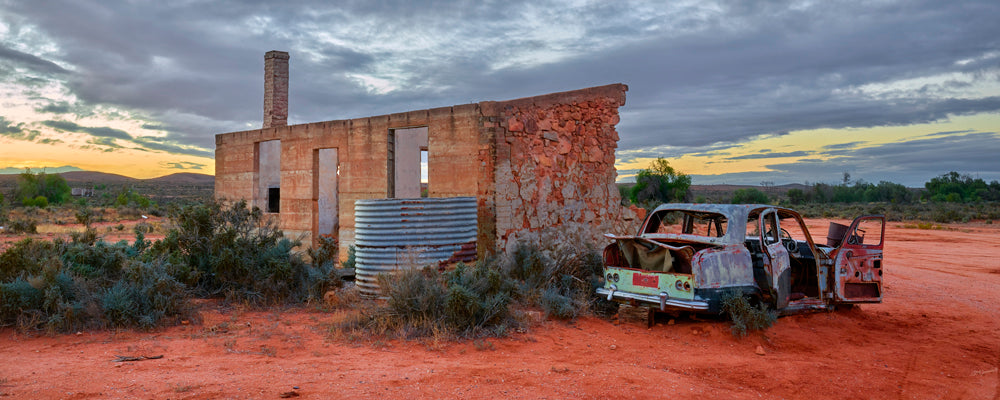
point(468, 301)
point(22, 226)
point(237, 252)
point(746, 317)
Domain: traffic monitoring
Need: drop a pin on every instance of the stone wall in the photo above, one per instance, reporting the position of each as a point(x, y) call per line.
point(555, 163)
point(533, 163)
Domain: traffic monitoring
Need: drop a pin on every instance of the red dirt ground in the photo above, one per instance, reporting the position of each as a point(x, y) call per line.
point(937, 335)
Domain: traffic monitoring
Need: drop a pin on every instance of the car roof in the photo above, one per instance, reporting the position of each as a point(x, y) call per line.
point(737, 215)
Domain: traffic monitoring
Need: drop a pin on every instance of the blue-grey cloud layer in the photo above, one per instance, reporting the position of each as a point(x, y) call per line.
point(702, 75)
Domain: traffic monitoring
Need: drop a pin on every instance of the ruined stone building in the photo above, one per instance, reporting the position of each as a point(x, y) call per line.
point(532, 163)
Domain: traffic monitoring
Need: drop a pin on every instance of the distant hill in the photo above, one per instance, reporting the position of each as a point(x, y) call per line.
point(184, 178)
point(95, 177)
point(91, 177)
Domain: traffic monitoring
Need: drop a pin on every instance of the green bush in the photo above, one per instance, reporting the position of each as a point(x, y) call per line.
point(469, 301)
point(236, 252)
point(27, 257)
point(144, 297)
point(129, 197)
point(558, 305)
point(557, 275)
point(745, 317)
point(63, 286)
point(22, 226)
point(660, 183)
point(47, 188)
point(750, 196)
point(350, 261)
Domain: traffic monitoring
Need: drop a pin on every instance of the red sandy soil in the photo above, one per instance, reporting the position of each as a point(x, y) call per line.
point(937, 335)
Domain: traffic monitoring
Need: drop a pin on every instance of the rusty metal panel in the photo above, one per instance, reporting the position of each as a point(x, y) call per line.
point(396, 234)
point(721, 268)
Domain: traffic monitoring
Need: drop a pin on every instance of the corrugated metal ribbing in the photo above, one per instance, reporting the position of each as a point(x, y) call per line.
point(392, 234)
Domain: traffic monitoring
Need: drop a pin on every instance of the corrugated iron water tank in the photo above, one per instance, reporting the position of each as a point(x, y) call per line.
point(397, 234)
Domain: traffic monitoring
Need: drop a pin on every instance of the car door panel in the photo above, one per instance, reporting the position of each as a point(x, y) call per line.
point(858, 264)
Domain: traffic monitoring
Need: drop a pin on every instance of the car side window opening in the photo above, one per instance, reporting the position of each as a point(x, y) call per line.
point(686, 223)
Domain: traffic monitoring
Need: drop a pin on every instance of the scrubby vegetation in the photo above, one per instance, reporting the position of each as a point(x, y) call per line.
point(235, 252)
point(214, 250)
point(38, 190)
point(746, 317)
point(488, 298)
point(66, 285)
point(750, 196)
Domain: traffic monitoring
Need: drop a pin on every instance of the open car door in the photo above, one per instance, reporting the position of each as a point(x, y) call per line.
point(858, 265)
point(779, 274)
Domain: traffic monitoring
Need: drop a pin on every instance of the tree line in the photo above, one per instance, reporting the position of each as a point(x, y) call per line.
point(661, 183)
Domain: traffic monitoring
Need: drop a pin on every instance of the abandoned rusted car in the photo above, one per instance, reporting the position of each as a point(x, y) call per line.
point(686, 256)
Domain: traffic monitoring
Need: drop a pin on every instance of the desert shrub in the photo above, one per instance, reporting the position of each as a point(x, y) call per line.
point(236, 252)
point(557, 274)
point(22, 226)
point(47, 188)
point(129, 197)
point(468, 301)
point(558, 305)
point(27, 257)
point(746, 317)
point(350, 261)
point(87, 236)
point(144, 297)
point(16, 297)
point(51, 299)
point(85, 215)
point(325, 252)
point(750, 196)
point(95, 259)
point(478, 298)
point(63, 286)
point(415, 300)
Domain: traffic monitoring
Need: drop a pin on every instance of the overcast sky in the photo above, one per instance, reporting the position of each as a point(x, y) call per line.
point(730, 92)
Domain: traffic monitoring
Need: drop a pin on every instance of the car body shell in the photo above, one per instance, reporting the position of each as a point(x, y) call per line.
point(715, 248)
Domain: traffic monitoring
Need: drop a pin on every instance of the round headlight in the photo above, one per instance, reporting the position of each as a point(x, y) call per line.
point(616, 277)
point(679, 285)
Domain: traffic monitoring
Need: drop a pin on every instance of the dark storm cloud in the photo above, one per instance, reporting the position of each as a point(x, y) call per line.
point(101, 131)
point(104, 137)
point(8, 128)
point(169, 147)
point(30, 61)
point(16, 130)
point(842, 146)
point(765, 155)
point(182, 165)
point(701, 77)
point(55, 108)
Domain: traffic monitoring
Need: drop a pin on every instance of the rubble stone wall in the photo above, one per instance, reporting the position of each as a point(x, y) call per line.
point(555, 164)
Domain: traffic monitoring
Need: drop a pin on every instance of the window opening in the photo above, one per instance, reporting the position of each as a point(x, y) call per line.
point(406, 164)
point(273, 199)
point(423, 173)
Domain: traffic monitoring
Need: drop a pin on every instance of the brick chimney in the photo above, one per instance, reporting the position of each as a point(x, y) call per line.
point(275, 88)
